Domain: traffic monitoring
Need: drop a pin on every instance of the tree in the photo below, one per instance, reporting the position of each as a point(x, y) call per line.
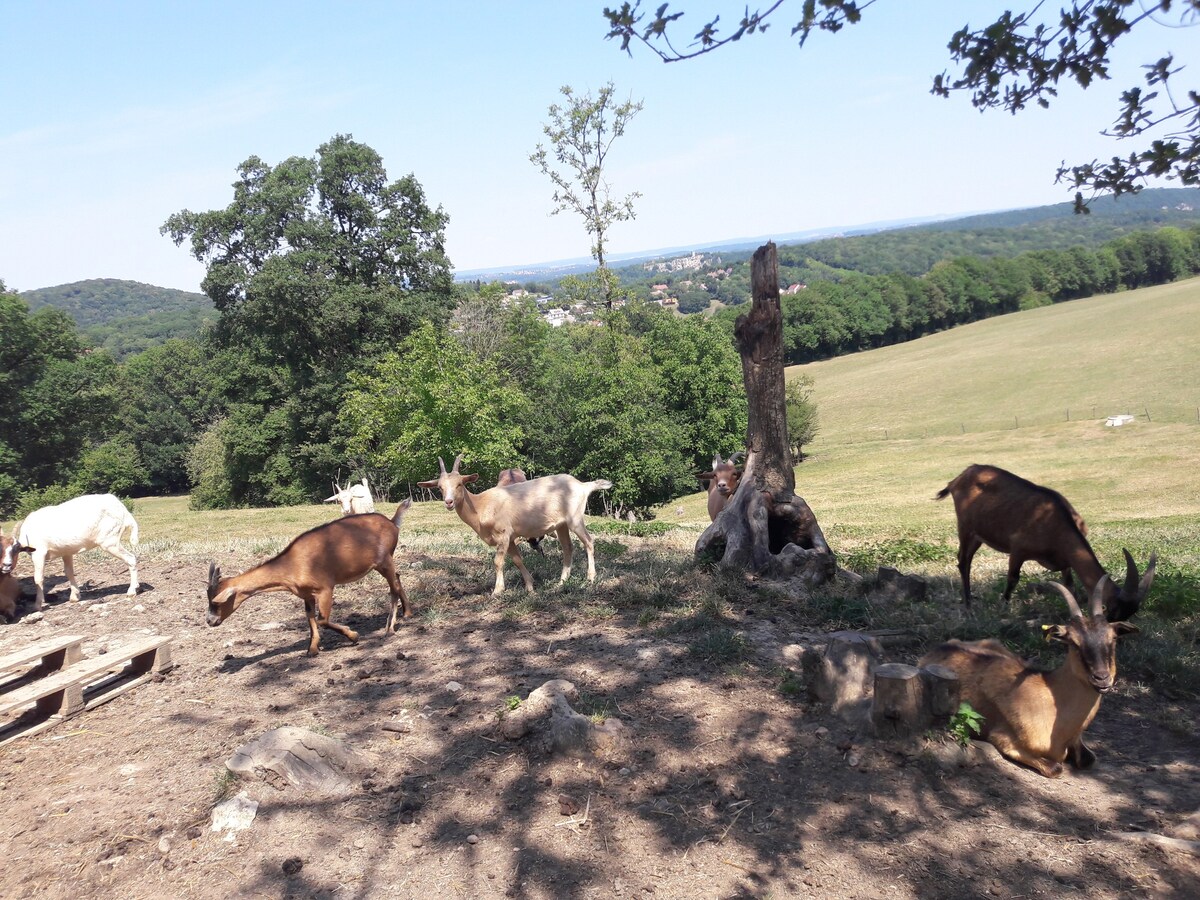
point(801, 414)
point(318, 268)
point(1019, 59)
point(581, 134)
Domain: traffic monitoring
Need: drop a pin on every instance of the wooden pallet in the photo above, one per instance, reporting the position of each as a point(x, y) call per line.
point(63, 685)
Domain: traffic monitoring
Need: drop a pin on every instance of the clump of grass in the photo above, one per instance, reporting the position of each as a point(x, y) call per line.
point(632, 529)
point(896, 552)
point(720, 645)
point(224, 782)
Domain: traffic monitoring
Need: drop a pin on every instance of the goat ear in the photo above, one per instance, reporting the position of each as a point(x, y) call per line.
point(470, 479)
point(1056, 633)
point(707, 476)
point(214, 575)
point(427, 484)
point(1120, 628)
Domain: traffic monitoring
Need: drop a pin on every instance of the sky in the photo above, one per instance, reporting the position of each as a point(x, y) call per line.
point(115, 115)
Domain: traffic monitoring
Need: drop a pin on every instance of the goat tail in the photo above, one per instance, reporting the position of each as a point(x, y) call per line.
point(943, 493)
point(398, 515)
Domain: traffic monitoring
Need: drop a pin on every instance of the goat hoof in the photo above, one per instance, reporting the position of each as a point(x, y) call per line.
point(312, 651)
point(352, 637)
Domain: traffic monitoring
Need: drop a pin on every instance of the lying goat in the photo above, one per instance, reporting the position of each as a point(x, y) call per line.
point(1030, 522)
point(1038, 718)
point(527, 509)
point(10, 588)
point(337, 552)
point(722, 482)
point(93, 520)
point(353, 498)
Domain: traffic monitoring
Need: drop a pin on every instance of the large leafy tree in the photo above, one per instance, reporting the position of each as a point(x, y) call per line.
point(1018, 60)
point(581, 133)
point(318, 267)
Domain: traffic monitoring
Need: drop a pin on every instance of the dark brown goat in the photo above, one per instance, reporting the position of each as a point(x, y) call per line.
point(338, 552)
point(1030, 522)
point(1038, 718)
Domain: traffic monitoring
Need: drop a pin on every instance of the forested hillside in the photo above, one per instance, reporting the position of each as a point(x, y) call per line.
point(126, 317)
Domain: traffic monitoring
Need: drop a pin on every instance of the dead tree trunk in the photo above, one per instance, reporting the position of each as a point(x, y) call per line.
point(766, 528)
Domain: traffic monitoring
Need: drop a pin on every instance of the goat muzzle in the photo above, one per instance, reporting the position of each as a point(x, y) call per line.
point(213, 619)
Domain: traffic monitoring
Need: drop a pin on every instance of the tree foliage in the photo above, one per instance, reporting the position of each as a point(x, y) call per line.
point(1019, 59)
point(581, 134)
point(802, 424)
point(318, 268)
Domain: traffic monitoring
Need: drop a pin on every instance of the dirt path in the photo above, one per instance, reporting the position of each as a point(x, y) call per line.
point(728, 788)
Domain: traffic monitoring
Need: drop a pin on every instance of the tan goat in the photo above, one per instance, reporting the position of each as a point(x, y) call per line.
point(1033, 717)
point(312, 565)
point(1031, 522)
point(527, 509)
point(722, 482)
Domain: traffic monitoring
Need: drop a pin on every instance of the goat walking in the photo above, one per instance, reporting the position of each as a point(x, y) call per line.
point(1038, 718)
point(527, 509)
point(1031, 522)
point(93, 520)
point(312, 565)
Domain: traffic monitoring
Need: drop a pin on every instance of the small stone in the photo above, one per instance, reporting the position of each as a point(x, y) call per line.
point(822, 731)
point(853, 759)
point(472, 839)
point(33, 618)
point(625, 771)
point(417, 842)
point(292, 865)
point(453, 687)
point(164, 845)
point(137, 608)
point(359, 844)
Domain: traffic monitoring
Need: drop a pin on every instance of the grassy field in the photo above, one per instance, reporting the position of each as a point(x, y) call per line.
point(1137, 486)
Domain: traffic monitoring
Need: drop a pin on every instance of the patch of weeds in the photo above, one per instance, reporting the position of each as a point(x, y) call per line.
point(711, 607)
point(720, 645)
point(632, 529)
point(609, 549)
point(223, 785)
point(600, 611)
point(791, 686)
point(594, 706)
point(1173, 595)
point(966, 724)
point(648, 616)
point(897, 552)
point(509, 704)
point(516, 610)
point(432, 614)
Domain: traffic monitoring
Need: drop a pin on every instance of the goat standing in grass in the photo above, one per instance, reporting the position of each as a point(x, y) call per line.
point(1038, 718)
point(312, 565)
point(93, 520)
point(1031, 522)
point(526, 509)
point(353, 498)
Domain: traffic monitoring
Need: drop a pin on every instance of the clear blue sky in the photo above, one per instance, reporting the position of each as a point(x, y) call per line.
point(117, 114)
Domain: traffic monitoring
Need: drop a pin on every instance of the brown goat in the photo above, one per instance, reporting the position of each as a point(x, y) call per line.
point(10, 588)
point(1038, 718)
point(722, 482)
point(1031, 522)
point(338, 552)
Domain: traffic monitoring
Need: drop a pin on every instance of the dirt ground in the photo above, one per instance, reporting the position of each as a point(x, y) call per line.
point(727, 788)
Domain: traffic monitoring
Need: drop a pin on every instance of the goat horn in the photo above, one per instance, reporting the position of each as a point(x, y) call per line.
point(1131, 577)
point(457, 460)
point(441, 465)
point(1072, 604)
point(214, 574)
point(1098, 595)
point(734, 458)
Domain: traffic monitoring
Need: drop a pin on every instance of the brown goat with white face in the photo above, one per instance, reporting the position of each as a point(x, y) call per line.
point(722, 482)
point(1031, 522)
point(1038, 718)
point(312, 565)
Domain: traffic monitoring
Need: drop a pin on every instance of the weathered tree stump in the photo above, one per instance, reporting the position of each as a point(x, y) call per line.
point(766, 528)
point(908, 701)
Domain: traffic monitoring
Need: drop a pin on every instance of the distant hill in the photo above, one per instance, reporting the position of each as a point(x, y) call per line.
point(126, 316)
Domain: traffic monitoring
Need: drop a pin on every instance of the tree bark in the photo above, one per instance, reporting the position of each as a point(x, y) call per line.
point(766, 528)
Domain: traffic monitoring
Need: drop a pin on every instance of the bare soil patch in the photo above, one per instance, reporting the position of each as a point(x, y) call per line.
point(729, 787)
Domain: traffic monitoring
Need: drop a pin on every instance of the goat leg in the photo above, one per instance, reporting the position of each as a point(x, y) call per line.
point(1014, 575)
point(967, 546)
point(325, 611)
point(310, 610)
point(1080, 755)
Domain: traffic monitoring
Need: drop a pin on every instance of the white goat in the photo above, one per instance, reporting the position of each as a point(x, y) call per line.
point(93, 520)
point(528, 509)
point(354, 498)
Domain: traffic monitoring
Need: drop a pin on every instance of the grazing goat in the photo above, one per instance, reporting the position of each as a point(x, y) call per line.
point(1030, 522)
point(527, 509)
point(1038, 718)
point(722, 482)
point(10, 588)
point(312, 565)
point(353, 498)
point(93, 520)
